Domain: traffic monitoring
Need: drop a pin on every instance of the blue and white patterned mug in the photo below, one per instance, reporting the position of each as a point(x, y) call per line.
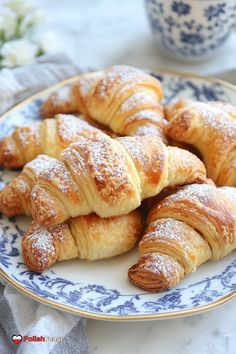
point(191, 29)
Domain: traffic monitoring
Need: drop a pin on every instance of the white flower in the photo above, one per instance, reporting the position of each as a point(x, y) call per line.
point(30, 21)
point(18, 52)
point(22, 7)
point(48, 42)
point(8, 21)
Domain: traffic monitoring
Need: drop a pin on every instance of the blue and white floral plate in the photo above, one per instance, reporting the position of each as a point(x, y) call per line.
point(101, 289)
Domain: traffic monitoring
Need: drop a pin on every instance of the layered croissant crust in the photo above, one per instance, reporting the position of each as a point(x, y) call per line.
point(49, 137)
point(107, 176)
point(186, 229)
point(211, 128)
point(125, 99)
point(85, 237)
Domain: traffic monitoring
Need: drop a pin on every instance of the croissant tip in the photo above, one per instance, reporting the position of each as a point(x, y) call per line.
point(38, 249)
point(146, 279)
point(46, 111)
point(3, 153)
point(155, 272)
point(9, 155)
point(45, 211)
point(10, 203)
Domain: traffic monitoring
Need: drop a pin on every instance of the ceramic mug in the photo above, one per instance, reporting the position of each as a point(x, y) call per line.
point(191, 29)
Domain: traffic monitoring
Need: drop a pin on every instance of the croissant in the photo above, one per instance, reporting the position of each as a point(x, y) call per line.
point(186, 229)
point(85, 237)
point(125, 99)
point(181, 104)
point(227, 107)
point(49, 137)
point(211, 129)
point(98, 174)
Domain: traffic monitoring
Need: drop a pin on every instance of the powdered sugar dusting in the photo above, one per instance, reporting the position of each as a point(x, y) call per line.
point(100, 158)
point(230, 192)
point(85, 83)
point(42, 245)
point(135, 101)
point(161, 265)
point(29, 135)
point(71, 128)
point(147, 114)
point(108, 169)
point(148, 156)
point(117, 76)
point(167, 229)
point(218, 121)
point(62, 95)
point(53, 171)
point(194, 193)
point(136, 150)
point(227, 107)
point(40, 164)
point(58, 232)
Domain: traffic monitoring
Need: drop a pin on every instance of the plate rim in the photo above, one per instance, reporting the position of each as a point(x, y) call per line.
point(75, 311)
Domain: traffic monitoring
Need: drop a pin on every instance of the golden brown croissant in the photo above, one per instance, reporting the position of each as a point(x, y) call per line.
point(49, 137)
point(107, 176)
point(86, 237)
point(181, 104)
point(227, 107)
point(212, 130)
point(186, 229)
point(125, 99)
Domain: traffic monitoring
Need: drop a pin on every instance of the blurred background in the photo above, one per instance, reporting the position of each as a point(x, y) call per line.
point(99, 33)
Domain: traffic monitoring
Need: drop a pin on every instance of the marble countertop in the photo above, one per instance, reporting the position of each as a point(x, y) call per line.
point(99, 33)
point(212, 332)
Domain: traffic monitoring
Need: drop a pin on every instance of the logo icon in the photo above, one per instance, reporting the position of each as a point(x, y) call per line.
point(16, 338)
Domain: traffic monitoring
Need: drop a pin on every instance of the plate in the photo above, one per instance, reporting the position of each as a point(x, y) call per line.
point(101, 289)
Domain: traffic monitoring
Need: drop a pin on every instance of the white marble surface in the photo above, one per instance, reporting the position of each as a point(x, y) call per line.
point(98, 33)
point(210, 333)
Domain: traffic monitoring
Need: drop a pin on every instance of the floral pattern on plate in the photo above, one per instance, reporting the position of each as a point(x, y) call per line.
point(101, 289)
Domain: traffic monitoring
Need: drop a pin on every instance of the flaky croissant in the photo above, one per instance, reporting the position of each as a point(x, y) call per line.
point(49, 137)
point(211, 128)
point(86, 237)
point(125, 99)
point(227, 107)
point(107, 176)
point(186, 229)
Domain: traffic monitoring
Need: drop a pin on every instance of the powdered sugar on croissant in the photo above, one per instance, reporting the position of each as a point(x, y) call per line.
point(85, 237)
point(186, 229)
point(124, 98)
point(107, 176)
point(211, 128)
point(49, 137)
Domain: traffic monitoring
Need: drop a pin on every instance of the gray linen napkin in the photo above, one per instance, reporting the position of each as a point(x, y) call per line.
point(18, 313)
point(21, 315)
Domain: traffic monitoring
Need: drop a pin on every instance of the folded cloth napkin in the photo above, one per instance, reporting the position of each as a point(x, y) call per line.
point(19, 315)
